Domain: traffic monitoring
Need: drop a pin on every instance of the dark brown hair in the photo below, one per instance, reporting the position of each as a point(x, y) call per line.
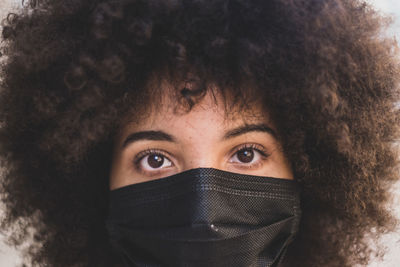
point(72, 70)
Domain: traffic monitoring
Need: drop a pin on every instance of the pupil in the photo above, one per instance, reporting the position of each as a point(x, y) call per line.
point(155, 161)
point(245, 155)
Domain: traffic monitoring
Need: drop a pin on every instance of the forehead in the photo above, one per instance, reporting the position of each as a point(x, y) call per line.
point(165, 106)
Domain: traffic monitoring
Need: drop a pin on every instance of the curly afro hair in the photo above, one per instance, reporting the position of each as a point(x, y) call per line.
point(73, 69)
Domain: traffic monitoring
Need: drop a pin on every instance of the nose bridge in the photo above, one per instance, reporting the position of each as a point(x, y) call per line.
point(202, 161)
point(200, 138)
point(202, 156)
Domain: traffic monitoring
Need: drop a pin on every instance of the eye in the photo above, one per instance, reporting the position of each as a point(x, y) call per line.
point(249, 154)
point(150, 160)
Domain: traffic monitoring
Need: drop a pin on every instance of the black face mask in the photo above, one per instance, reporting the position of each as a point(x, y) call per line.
point(204, 217)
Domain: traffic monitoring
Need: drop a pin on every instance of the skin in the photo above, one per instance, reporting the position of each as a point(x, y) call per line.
point(167, 142)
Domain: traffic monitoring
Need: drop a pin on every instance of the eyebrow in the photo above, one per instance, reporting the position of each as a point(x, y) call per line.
point(249, 128)
point(147, 135)
point(163, 136)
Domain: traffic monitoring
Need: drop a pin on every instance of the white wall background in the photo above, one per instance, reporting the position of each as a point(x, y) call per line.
point(9, 256)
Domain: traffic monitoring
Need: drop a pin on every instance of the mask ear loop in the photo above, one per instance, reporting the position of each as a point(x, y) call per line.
point(124, 258)
point(281, 255)
point(120, 254)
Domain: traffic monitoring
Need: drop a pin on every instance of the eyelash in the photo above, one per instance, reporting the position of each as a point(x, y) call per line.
point(139, 157)
point(260, 149)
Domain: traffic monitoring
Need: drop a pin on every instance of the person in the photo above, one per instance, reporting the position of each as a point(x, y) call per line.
point(198, 133)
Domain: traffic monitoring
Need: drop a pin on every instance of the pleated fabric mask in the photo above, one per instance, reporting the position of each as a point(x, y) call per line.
point(204, 217)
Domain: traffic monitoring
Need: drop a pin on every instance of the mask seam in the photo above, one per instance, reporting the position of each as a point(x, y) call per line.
point(275, 187)
point(199, 188)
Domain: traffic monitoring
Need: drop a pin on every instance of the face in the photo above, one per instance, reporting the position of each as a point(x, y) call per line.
point(165, 142)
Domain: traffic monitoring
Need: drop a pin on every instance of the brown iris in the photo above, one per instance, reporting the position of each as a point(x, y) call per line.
point(155, 160)
point(245, 155)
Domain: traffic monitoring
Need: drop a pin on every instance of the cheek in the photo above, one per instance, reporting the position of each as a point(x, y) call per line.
point(120, 171)
point(280, 166)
